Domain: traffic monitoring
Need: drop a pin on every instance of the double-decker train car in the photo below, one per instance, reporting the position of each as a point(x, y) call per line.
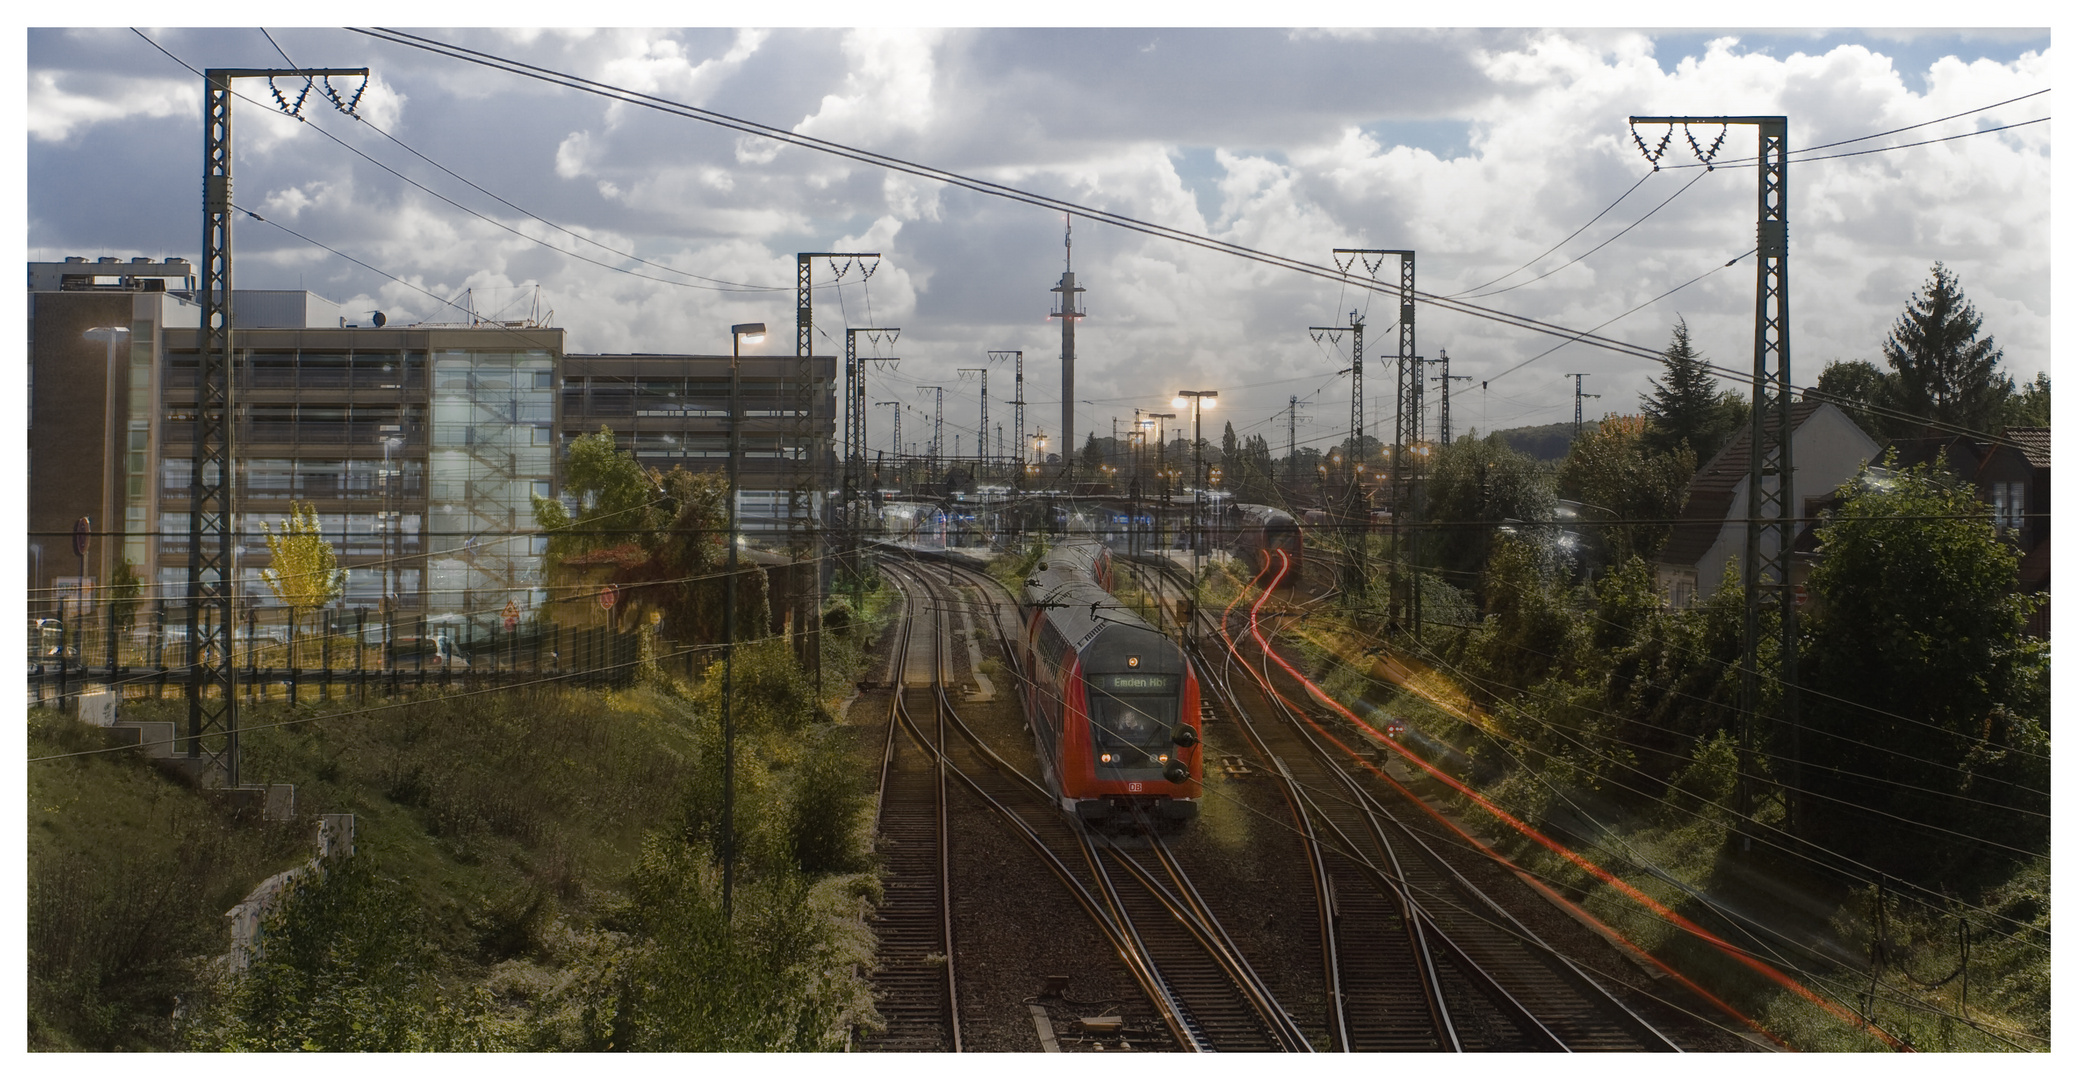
point(1260, 530)
point(1112, 701)
point(1079, 557)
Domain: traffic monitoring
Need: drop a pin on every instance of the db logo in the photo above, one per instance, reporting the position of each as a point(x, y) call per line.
point(1133, 787)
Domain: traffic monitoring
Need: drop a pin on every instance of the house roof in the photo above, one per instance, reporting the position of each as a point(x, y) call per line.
point(1711, 490)
point(2032, 442)
point(1964, 455)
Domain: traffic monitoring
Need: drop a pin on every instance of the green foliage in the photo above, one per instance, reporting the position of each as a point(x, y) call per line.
point(618, 501)
point(1613, 471)
point(773, 979)
point(338, 970)
point(1916, 616)
point(1530, 631)
point(1939, 368)
point(125, 589)
point(2029, 407)
point(1688, 407)
point(305, 574)
point(1474, 486)
point(1858, 388)
point(127, 878)
point(672, 528)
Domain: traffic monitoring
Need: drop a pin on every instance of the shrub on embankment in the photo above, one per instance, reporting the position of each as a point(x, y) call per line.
point(514, 850)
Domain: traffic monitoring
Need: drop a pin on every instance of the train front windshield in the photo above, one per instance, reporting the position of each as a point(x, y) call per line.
point(1132, 718)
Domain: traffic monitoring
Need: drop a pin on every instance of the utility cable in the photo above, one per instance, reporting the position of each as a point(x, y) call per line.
point(1619, 235)
point(1547, 251)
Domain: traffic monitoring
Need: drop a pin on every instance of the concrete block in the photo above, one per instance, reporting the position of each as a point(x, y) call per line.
point(98, 707)
point(335, 835)
point(281, 802)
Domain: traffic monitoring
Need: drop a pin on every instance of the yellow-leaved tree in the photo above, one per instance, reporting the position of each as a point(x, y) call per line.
point(306, 574)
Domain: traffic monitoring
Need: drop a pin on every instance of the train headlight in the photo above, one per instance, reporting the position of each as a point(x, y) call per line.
point(1162, 758)
point(1105, 758)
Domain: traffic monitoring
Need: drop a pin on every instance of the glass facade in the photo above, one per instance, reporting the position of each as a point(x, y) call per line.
point(492, 448)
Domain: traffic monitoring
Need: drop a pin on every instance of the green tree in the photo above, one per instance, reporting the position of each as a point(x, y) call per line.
point(1092, 457)
point(1474, 487)
point(1858, 388)
point(670, 528)
point(2029, 407)
point(619, 502)
point(1929, 690)
point(305, 574)
point(1688, 407)
point(1620, 480)
point(125, 589)
point(1940, 368)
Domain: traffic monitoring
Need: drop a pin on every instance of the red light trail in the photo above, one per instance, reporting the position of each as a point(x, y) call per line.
point(1623, 887)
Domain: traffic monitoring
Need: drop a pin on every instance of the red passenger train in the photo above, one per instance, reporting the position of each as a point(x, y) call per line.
point(1112, 701)
point(1262, 531)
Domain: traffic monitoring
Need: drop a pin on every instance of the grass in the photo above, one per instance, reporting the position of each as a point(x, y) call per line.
point(516, 847)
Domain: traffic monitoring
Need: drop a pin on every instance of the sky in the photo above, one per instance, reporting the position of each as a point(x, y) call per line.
point(1478, 150)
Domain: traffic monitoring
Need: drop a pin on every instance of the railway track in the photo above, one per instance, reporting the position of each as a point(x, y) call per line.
point(1413, 934)
point(915, 983)
point(1195, 976)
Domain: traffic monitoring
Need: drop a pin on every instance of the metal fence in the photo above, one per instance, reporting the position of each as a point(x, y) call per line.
point(339, 655)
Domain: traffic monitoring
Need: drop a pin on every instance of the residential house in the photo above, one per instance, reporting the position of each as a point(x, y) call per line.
point(1826, 449)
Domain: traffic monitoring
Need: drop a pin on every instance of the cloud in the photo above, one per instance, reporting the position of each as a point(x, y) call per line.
point(1477, 149)
point(61, 103)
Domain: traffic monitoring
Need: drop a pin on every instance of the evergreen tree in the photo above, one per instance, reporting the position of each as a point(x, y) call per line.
point(2030, 407)
point(1940, 368)
point(1688, 407)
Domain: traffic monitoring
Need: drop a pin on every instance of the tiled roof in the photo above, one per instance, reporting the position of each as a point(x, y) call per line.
point(1964, 454)
point(2033, 442)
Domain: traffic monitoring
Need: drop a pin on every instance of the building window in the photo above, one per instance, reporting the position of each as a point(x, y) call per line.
point(2008, 505)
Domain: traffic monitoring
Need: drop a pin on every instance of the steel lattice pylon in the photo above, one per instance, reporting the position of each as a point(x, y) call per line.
point(811, 444)
point(212, 739)
point(1771, 513)
point(1350, 513)
point(1407, 421)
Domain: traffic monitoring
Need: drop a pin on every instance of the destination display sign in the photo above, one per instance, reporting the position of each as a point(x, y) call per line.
point(1135, 683)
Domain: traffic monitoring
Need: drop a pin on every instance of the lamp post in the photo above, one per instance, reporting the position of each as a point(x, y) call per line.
point(1197, 401)
point(738, 334)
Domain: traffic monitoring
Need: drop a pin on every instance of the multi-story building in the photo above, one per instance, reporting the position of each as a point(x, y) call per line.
point(420, 447)
point(671, 410)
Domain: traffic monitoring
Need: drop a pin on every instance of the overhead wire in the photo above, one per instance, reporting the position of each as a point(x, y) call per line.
point(1642, 219)
point(782, 135)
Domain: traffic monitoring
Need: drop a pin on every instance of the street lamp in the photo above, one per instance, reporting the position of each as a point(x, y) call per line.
point(738, 334)
point(1197, 401)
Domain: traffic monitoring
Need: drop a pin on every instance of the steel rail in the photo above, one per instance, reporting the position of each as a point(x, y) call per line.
point(1328, 902)
point(1225, 955)
point(1106, 916)
point(1504, 930)
point(917, 912)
